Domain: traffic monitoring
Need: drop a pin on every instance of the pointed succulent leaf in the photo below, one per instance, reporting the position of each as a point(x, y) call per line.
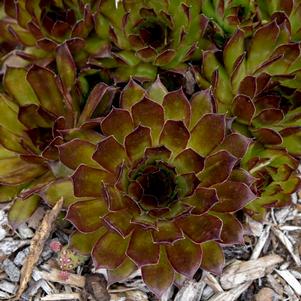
point(76, 152)
point(167, 232)
point(188, 161)
point(47, 89)
point(202, 140)
point(262, 44)
point(160, 276)
point(57, 189)
point(217, 168)
point(93, 210)
point(157, 91)
point(84, 242)
point(233, 50)
point(122, 272)
point(244, 108)
point(142, 249)
point(201, 228)
point(236, 144)
point(87, 181)
point(109, 154)
point(65, 65)
point(109, 251)
point(174, 135)
point(185, 256)
point(137, 141)
point(213, 258)
point(149, 114)
point(22, 210)
point(16, 84)
point(95, 99)
point(131, 94)
point(232, 230)
point(176, 106)
point(201, 104)
point(117, 123)
point(232, 196)
point(202, 200)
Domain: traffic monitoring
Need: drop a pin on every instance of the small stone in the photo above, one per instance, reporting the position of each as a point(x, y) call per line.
point(21, 256)
point(10, 245)
point(11, 270)
point(25, 232)
point(266, 294)
point(2, 233)
point(8, 287)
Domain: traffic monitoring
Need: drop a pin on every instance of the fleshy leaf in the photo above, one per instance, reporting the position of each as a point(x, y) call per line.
point(16, 84)
point(202, 200)
point(158, 277)
point(137, 141)
point(217, 168)
point(65, 65)
point(213, 257)
point(119, 221)
point(109, 154)
point(174, 135)
point(176, 106)
point(91, 210)
point(262, 44)
point(243, 108)
point(43, 82)
point(185, 256)
point(87, 181)
point(76, 152)
point(157, 91)
point(118, 123)
point(109, 251)
point(14, 171)
point(131, 94)
point(201, 228)
point(232, 230)
point(232, 196)
point(202, 138)
point(233, 49)
point(84, 242)
point(201, 104)
point(57, 189)
point(149, 114)
point(22, 210)
point(142, 250)
point(167, 232)
point(122, 272)
point(236, 144)
point(188, 161)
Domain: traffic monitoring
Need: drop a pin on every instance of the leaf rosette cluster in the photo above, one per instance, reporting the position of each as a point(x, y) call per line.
point(160, 189)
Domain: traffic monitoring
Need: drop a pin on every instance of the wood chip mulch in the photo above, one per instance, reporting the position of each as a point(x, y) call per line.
point(266, 268)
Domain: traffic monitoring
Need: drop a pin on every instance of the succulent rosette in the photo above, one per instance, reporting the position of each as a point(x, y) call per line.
point(276, 178)
point(269, 9)
point(259, 84)
point(230, 15)
point(161, 188)
point(40, 26)
point(147, 35)
point(38, 114)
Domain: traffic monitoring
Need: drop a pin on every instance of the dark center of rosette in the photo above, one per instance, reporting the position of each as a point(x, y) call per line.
point(153, 33)
point(158, 182)
point(41, 137)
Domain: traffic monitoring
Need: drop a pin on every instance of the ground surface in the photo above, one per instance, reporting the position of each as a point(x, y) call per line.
point(266, 268)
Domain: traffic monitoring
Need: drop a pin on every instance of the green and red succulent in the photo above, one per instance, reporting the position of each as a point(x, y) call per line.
point(258, 82)
point(161, 188)
point(39, 114)
point(152, 180)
